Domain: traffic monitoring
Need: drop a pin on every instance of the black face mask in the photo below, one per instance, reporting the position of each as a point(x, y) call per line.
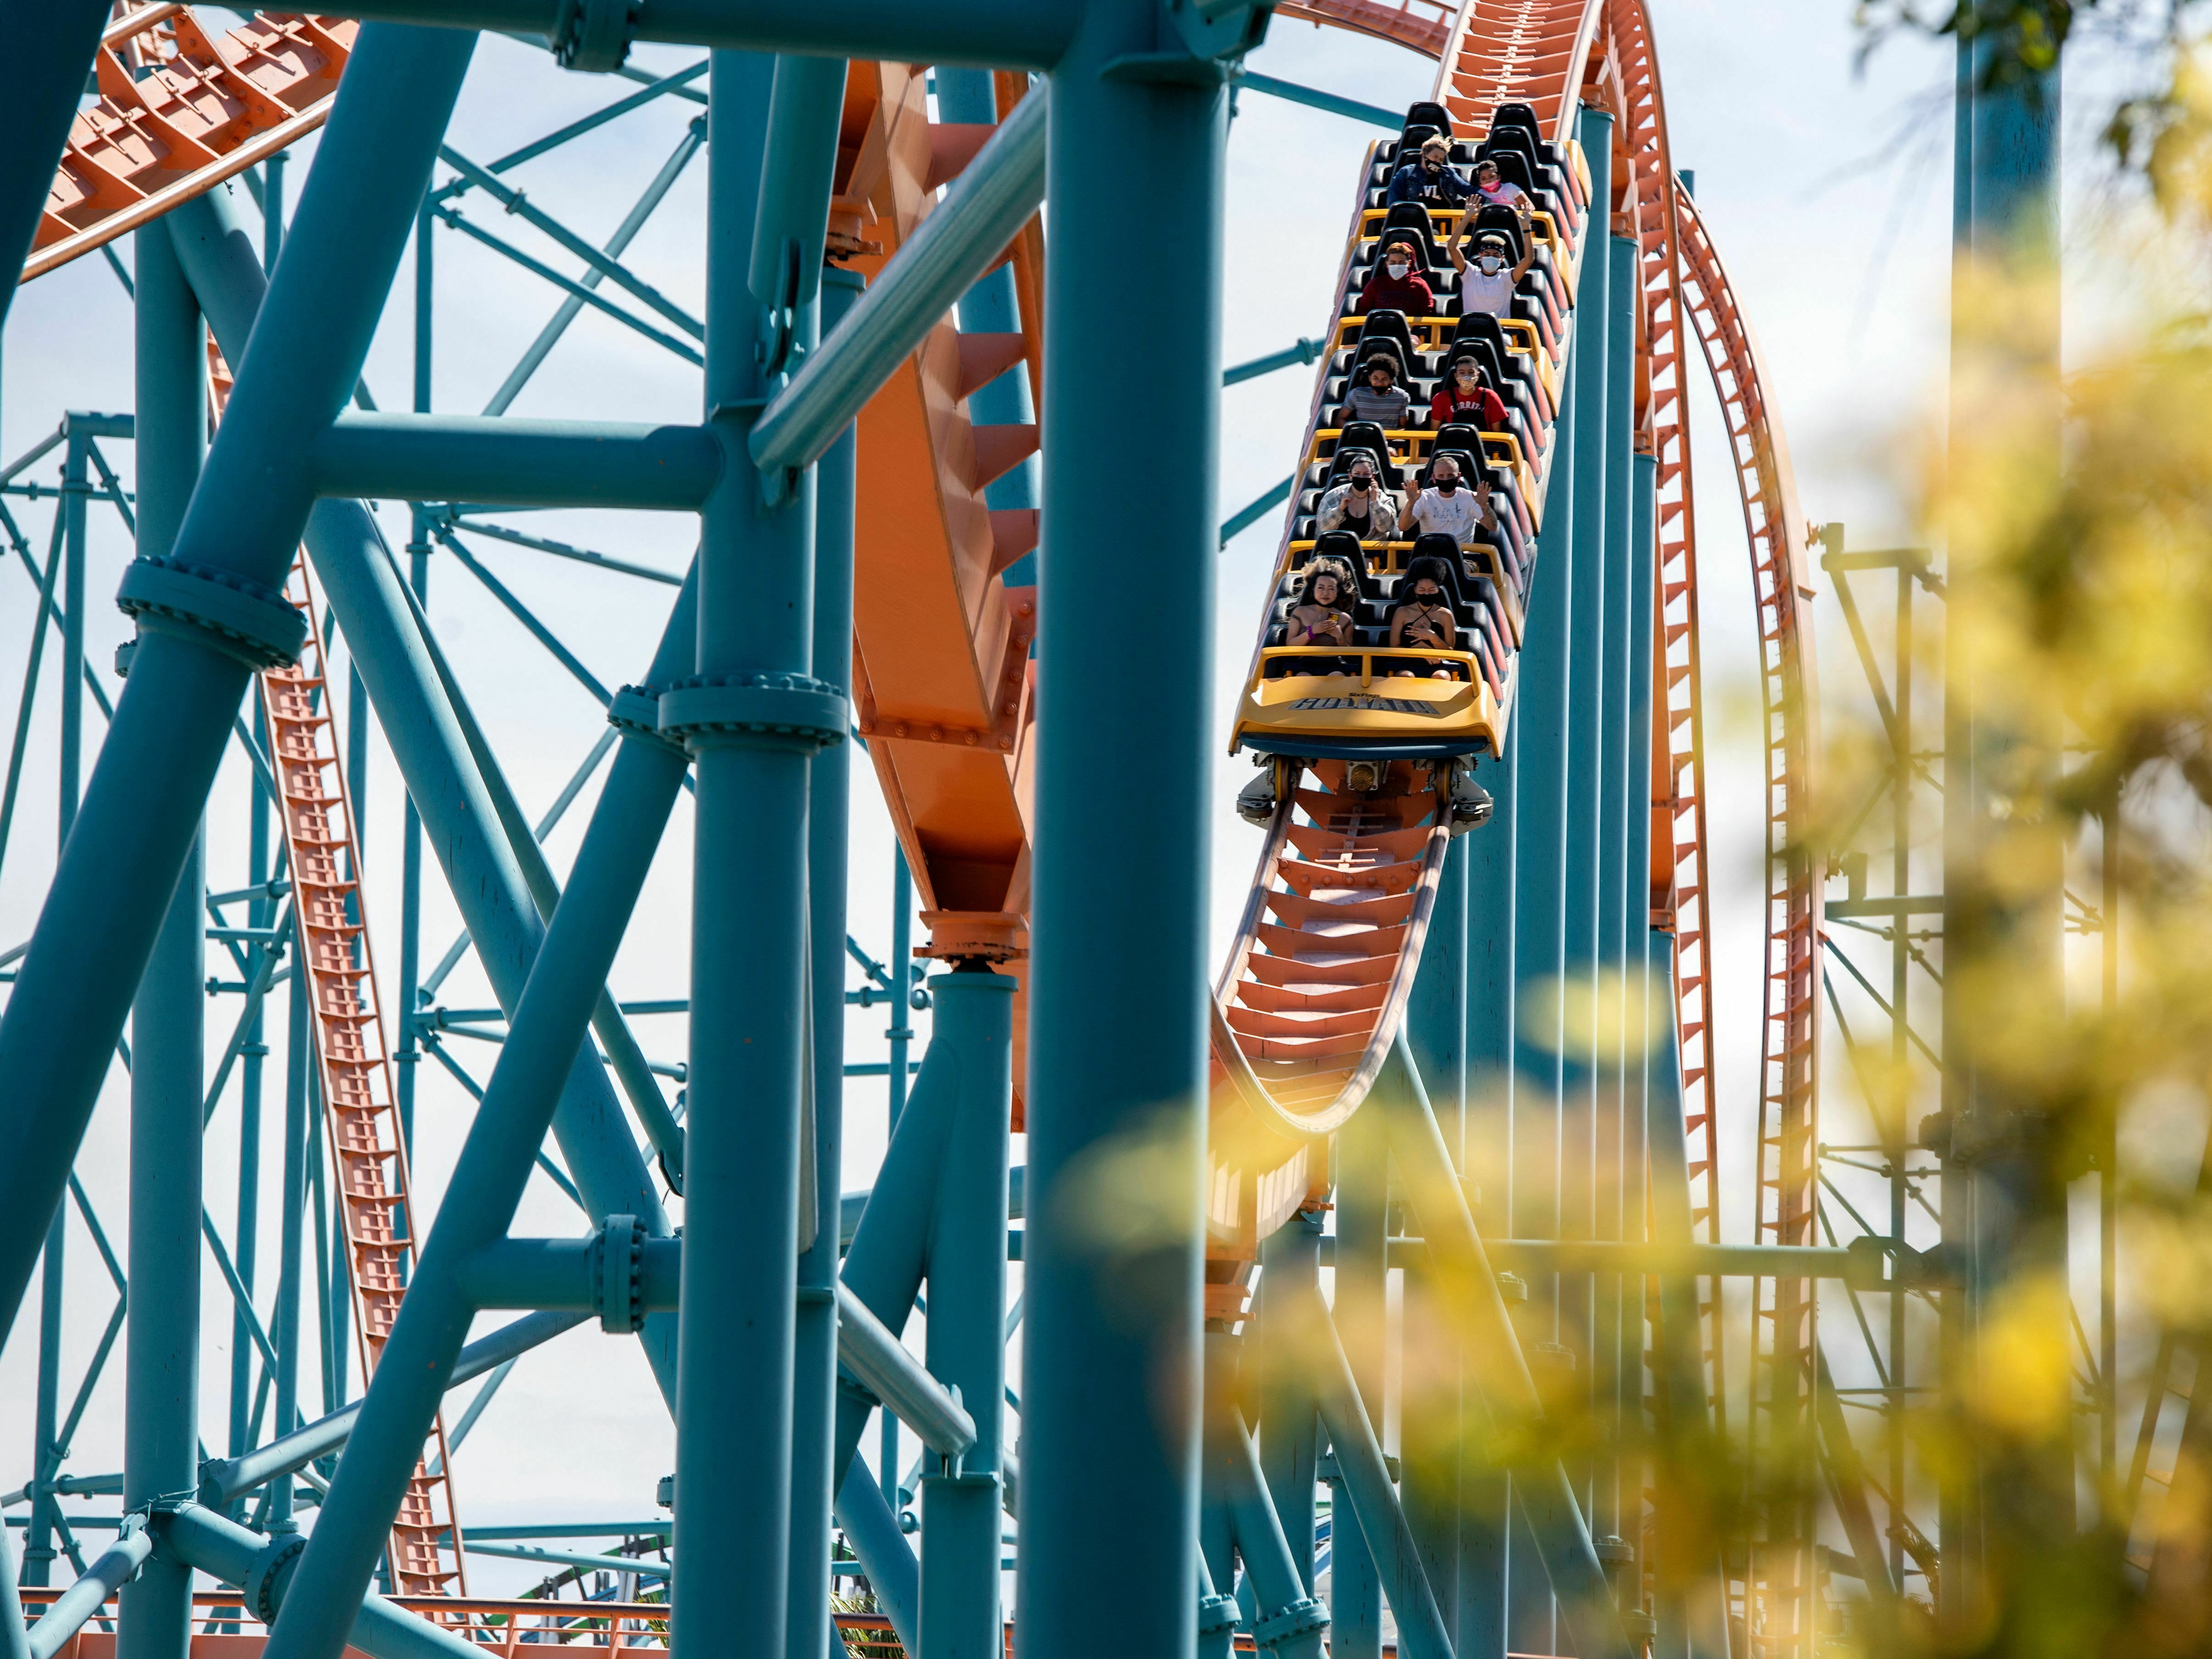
point(1359, 486)
point(1446, 486)
point(1432, 164)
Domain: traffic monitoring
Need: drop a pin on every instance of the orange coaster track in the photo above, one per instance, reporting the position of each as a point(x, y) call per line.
point(212, 107)
point(354, 1069)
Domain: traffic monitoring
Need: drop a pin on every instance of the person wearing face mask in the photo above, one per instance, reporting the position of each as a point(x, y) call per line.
point(1430, 179)
point(1448, 507)
point(1359, 506)
point(1376, 396)
point(1396, 286)
point(1488, 282)
point(1424, 620)
point(1492, 190)
point(1464, 396)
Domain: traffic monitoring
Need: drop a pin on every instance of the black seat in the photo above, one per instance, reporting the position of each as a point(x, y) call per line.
point(1475, 599)
point(1409, 222)
point(1435, 115)
point(1357, 435)
point(1388, 332)
point(1428, 258)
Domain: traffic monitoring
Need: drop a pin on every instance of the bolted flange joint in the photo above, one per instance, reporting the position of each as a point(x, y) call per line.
point(793, 712)
point(634, 711)
point(1216, 1613)
point(618, 1273)
point(593, 37)
point(244, 620)
point(1300, 1617)
point(265, 1585)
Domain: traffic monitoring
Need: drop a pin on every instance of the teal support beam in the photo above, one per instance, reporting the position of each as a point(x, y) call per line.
point(1362, 1287)
point(967, 1339)
point(1012, 34)
point(753, 718)
point(511, 461)
point(173, 719)
point(1291, 1622)
point(1581, 1158)
point(1638, 1053)
point(1290, 1434)
point(1540, 1483)
point(57, 40)
point(1291, 92)
point(1525, 1014)
point(814, 1407)
point(790, 220)
point(223, 1479)
point(1246, 517)
point(452, 778)
point(963, 237)
point(14, 1644)
point(1305, 351)
point(1118, 992)
point(199, 1538)
point(1616, 1346)
point(109, 1571)
point(160, 1403)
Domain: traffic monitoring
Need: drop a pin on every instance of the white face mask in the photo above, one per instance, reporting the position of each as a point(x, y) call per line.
point(1399, 267)
point(1492, 263)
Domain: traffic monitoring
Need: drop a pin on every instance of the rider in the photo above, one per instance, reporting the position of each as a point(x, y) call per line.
point(1446, 509)
point(1430, 180)
point(1319, 619)
point(1359, 506)
point(1489, 286)
point(1465, 396)
point(1396, 286)
point(1425, 620)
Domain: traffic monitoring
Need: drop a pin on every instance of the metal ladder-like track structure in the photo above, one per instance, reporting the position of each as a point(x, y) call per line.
point(208, 107)
point(354, 1069)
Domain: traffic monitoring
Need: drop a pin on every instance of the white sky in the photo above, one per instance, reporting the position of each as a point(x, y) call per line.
point(1827, 189)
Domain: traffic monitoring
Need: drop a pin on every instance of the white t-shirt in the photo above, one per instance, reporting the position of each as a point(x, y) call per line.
point(1480, 290)
point(1458, 515)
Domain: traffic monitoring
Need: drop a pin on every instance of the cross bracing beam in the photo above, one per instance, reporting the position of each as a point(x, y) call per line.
point(1006, 33)
point(992, 198)
point(511, 461)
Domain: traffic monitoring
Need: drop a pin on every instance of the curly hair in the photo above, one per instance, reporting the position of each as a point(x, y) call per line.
point(1346, 589)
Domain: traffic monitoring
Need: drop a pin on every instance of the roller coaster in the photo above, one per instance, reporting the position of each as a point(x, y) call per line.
point(1456, 1070)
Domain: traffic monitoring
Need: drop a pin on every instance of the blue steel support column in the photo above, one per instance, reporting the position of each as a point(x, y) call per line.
point(408, 1057)
point(967, 1338)
point(1361, 1276)
point(733, 1398)
point(53, 42)
point(160, 1404)
point(172, 721)
point(1485, 1495)
point(546, 1034)
point(1290, 1431)
point(1579, 1158)
point(1117, 1065)
point(1430, 1434)
point(2016, 1201)
point(420, 717)
point(47, 1455)
point(1613, 1396)
point(814, 1404)
point(1538, 771)
point(900, 1035)
point(1638, 1057)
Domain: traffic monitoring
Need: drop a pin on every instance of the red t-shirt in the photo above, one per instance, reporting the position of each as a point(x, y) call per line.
point(1409, 294)
point(1482, 406)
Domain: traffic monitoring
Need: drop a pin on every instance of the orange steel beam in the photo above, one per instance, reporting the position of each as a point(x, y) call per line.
point(212, 106)
point(943, 683)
